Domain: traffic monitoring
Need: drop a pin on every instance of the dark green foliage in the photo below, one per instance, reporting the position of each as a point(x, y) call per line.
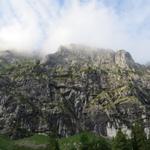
point(138, 137)
point(83, 141)
point(98, 143)
point(73, 147)
point(120, 142)
point(148, 143)
point(5, 143)
point(53, 143)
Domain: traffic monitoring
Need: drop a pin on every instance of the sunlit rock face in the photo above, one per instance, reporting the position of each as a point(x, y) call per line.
point(75, 89)
point(98, 57)
point(124, 60)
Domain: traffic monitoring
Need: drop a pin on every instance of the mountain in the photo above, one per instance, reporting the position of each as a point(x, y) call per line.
point(75, 89)
point(98, 57)
point(148, 65)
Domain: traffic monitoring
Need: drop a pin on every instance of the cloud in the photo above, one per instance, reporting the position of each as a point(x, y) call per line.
point(43, 25)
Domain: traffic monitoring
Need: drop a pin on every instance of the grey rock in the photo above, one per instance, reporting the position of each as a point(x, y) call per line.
point(75, 89)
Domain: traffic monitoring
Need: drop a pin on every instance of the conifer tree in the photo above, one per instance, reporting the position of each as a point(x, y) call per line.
point(84, 140)
point(148, 142)
point(53, 143)
point(138, 137)
point(120, 142)
point(95, 143)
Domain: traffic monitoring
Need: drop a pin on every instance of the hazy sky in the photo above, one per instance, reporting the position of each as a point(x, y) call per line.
point(42, 25)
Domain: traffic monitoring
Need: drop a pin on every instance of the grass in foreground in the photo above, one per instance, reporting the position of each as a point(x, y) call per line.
point(40, 142)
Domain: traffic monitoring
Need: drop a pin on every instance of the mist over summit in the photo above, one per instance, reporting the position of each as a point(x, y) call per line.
point(42, 26)
point(75, 52)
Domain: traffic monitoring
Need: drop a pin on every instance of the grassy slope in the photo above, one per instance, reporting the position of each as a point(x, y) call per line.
point(38, 142)
point(5, 143)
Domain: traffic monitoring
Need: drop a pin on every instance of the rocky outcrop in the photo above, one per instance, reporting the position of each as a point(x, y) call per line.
point(98, 57)
point(124, 60)
point(73, 90)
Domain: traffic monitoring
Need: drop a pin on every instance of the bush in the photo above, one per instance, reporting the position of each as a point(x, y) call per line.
point(138, 137)
point(120, 142)
point(96, 143)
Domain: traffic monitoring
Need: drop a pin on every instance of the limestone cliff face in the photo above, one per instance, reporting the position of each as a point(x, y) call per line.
point(124, 60)
point(77, 88)
point(98, 57)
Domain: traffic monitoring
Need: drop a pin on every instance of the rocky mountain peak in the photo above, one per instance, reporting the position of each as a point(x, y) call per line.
point(7, 56)
point(124, 59)
point(99, 57)
point(148, 65)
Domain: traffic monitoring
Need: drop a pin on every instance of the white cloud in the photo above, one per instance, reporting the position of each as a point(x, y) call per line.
point(44, 24)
